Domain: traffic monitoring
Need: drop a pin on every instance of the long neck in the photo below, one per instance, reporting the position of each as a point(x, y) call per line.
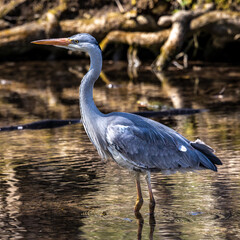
point(88, 108)
point(92, 118)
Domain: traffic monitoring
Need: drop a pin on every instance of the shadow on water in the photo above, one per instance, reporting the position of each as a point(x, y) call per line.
point(53, 184)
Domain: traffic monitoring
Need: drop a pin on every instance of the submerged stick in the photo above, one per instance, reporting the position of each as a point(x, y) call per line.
point(45, 124)
point(41, 125)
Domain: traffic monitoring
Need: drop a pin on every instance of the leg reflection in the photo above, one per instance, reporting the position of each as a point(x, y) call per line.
point(140, 222)
point(152, 223)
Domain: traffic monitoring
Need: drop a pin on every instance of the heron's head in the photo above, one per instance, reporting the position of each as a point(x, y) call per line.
point(79, 42)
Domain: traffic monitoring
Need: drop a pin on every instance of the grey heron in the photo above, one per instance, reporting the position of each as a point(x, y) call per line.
point(134, 142)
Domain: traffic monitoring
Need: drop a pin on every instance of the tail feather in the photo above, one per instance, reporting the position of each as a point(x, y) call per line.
point(206, 150)
point(205, 162)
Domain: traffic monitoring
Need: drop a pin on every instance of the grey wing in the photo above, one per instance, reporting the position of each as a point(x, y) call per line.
point(151, 149)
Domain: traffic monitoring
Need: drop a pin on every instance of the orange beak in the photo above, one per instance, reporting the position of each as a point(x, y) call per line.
point(54, 41)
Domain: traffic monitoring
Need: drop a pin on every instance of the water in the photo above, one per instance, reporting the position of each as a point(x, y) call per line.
point(53, 185)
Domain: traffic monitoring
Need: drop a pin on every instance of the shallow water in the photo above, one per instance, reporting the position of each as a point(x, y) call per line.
point(53, 185)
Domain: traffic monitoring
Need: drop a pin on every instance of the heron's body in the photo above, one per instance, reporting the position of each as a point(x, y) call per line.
point(137, 143)
point(141, 144)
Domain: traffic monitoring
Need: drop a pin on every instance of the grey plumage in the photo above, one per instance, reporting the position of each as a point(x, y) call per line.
point(134, 142)
point(150, 146)
point(84, 37)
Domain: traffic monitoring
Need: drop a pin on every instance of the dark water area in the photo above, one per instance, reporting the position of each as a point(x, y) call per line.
point(53, 185)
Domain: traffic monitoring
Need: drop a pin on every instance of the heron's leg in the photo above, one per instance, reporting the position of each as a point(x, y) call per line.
point(139, 201)
point(152, 201)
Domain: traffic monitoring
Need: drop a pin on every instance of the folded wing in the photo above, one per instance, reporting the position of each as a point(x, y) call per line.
point(154, 148)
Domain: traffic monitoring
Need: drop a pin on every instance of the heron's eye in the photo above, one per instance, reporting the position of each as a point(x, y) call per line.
point(75, 41)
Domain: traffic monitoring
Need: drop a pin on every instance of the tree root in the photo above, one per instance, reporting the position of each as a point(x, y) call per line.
point(45, 26)
point(129, 28)
point(224, 26)
point(180, 28)
point(143, 39)
point(101, 26)
point(6, 8)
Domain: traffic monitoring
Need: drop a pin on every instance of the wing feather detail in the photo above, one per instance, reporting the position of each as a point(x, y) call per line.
point(150, 148)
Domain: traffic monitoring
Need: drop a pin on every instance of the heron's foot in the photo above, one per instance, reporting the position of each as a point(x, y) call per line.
point(138, 205)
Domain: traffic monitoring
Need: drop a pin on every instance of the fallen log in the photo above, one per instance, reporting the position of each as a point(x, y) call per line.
point(143, 39)
point(47, 25)
point(101, 26)
point(224, 25)
point(7, 7)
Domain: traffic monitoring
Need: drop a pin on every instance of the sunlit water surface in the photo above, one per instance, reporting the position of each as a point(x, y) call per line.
point(53, 185)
